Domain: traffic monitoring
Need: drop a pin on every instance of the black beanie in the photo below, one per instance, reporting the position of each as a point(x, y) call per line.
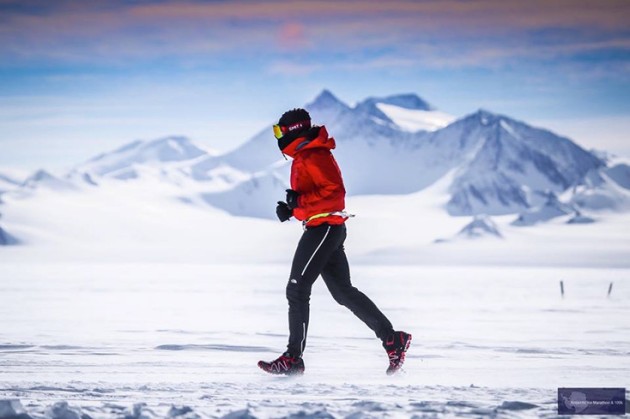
point(295, 116)
point(298, 121)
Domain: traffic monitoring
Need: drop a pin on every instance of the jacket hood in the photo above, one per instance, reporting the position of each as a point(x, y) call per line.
point(316, 137)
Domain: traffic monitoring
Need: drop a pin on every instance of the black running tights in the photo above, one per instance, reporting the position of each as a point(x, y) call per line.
point(320, 251)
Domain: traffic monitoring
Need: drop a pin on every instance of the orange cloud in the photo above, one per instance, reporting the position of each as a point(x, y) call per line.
point(291, 35)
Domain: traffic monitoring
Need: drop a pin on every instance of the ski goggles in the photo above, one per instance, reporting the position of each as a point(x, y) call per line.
point(279, 131)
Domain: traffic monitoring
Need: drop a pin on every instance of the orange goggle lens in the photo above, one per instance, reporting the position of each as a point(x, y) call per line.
point(277, 131)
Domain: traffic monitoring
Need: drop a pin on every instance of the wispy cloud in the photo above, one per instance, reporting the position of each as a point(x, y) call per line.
point(119, 31)
point(290, 68)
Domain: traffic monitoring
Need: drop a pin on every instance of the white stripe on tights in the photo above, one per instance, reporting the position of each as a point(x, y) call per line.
point(313, 255)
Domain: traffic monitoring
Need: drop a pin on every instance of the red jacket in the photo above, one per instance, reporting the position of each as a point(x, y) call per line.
point(316, 177)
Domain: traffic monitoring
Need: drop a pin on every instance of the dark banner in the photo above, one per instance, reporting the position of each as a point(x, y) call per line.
point(591, 401)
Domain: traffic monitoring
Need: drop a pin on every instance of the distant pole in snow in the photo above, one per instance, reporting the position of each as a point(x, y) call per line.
point(610, 289)
point(562, 289)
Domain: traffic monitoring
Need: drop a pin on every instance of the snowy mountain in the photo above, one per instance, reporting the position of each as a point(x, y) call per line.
point(250, 198)
point(364, 124)
point(44, 179)
point(8, 182)
point(6, 239)
point(602, 190)
point(506, 165)
point(620, 174)
point(502, 166)
point(364, 139)
point(579, 218)
point(233, 181)
point(327, 107)
point(163, 152)
point(481, 226)
point(493, 164)
point(551, 208)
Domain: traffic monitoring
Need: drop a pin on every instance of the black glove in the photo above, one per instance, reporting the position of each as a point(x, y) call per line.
point(283, 211)
point(292, 199)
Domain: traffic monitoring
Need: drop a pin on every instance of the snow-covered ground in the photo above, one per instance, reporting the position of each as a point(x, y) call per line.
point(125, 301)
point(150, 221)
point(158, 340)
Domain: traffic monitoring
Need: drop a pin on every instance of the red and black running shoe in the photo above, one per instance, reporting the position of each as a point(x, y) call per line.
point(284, 365)
point(396, 345)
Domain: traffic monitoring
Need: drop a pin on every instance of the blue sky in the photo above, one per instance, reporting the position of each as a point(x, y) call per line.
point(81, 77)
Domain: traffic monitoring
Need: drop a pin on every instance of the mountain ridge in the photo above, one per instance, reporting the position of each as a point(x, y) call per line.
point(501, 165)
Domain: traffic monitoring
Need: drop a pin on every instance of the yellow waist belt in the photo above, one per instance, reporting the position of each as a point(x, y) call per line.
point(327, 214)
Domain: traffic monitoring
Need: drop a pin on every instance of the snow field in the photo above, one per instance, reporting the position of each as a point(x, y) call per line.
point(149, 222)
point(103, 337)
